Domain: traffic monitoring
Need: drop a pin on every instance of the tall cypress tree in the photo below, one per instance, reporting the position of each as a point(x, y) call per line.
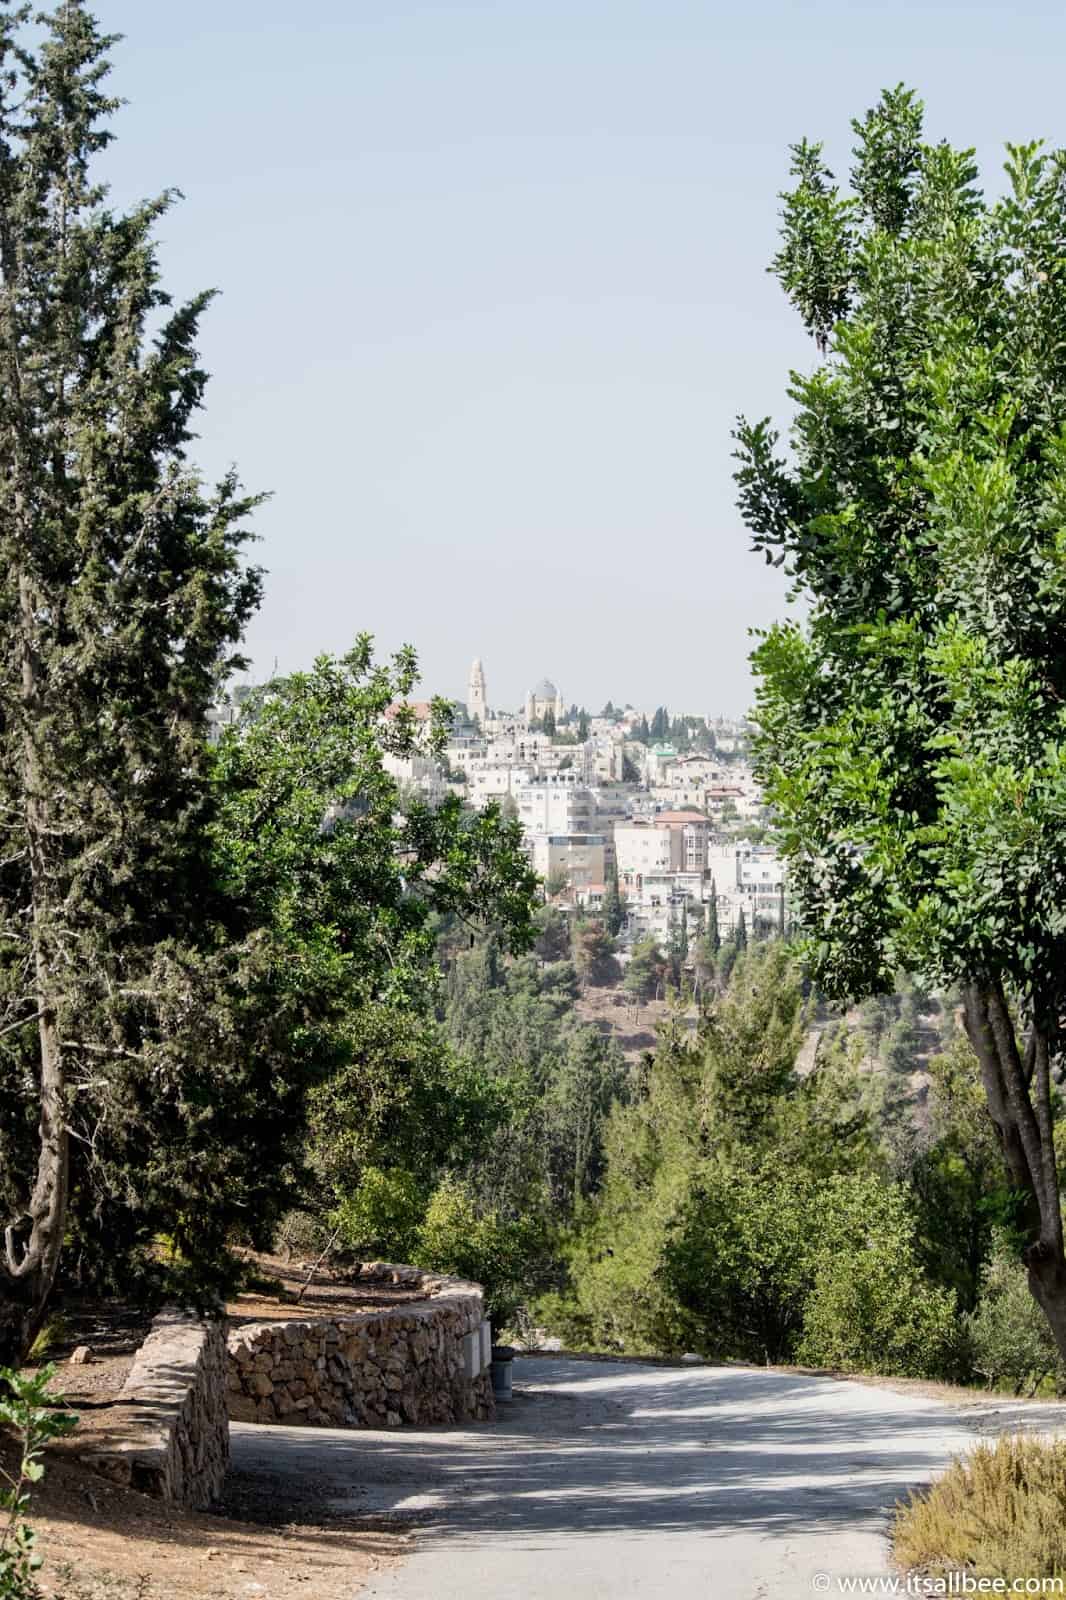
point(614, 911)
point(121, 593)
point(714, 938)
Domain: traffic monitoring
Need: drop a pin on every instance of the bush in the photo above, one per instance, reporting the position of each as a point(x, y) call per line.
point(1008, 1333)
point(382, 1217)
point(999, 1512)
point(506, 1256)
point(27, 1408)
point(871, 1308)
point(876, 1312)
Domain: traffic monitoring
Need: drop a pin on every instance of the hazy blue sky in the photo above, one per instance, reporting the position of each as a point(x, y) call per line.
point(494, 291)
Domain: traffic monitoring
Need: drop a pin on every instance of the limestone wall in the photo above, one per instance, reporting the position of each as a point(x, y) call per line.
point(171, 1431)
point(417, 1363)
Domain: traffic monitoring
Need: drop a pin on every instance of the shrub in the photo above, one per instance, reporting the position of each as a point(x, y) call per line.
point(1008, 1333)
point(382, 1217)
point(505, 1255)
point(998, 1512)
point(871, 1308)
point(29, 1411)
point(876, 1312)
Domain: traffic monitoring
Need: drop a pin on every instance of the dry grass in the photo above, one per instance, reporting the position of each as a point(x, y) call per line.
point(998, 1512)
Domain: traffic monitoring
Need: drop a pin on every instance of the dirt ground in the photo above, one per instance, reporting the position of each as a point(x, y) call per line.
point(269, 1540)
point(104, 1543)
point(312, 1293)
point(634, 1028)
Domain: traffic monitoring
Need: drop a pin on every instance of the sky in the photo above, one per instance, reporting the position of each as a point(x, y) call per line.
point(494, 291)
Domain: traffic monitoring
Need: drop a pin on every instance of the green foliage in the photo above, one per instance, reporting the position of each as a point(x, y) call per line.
point(1008, 1334)
point(381, 1218)
point(614, 906)
point(743, 1211)
point(644, 971)
point(911, 737)
point(463, 1236)
point(593, 952)
point(123, 593)
point(871, 1308)
point(350, 890)
point(956, 1175)
point(912, 732)
point(27, 1409)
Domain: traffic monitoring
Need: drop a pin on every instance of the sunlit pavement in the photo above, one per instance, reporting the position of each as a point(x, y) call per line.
point(605, 1480)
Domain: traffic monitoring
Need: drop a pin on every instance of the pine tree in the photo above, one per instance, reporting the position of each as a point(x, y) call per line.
point(121, 592)
point(549, 723)
point(583, 725)
point(740, 932)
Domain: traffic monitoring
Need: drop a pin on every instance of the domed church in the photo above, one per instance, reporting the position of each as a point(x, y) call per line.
point(545, 697)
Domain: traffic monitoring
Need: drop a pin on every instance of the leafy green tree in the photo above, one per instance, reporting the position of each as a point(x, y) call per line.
point(552, 938)
point(348, 890)
point(548, 723)
point(644, 971)
point(583, 725)
point(912, 733)
point(956, 1176)
point(461, 1235)
point(556, 883)
point(705, 1232)
point(593, 953)
point(871, 1308)
point(677, 948)
point(122, 594)
point(590, 1079)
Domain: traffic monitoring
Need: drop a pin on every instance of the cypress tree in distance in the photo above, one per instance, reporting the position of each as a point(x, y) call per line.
point(714, 938)
point(614, 910)
point(121, 593)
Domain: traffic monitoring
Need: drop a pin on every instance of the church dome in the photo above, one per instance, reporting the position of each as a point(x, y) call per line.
point(545, 690)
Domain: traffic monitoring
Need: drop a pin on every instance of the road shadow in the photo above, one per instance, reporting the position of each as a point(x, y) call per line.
point(632, 1450)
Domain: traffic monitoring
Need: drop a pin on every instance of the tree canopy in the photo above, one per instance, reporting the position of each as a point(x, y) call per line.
point(912, 731)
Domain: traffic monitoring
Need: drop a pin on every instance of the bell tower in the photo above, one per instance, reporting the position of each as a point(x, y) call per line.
point(475, 695)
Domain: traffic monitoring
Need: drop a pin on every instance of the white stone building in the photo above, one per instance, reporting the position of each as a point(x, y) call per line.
point(543, 698)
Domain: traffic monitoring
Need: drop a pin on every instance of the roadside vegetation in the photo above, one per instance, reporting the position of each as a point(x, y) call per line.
point(998, 1512)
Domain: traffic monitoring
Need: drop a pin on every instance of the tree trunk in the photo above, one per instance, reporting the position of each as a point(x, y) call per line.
point(1018, 1091)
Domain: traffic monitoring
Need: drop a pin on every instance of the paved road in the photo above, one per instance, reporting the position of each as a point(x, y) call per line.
point(604, 1481)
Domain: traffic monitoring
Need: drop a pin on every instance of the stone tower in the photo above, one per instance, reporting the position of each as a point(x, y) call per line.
point(475, 695)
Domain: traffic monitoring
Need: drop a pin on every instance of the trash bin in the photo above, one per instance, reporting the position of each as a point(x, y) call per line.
point(502, 1362)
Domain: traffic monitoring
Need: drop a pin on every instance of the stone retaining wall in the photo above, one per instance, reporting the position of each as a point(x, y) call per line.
point(171, 1433)
point(417, 1363)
